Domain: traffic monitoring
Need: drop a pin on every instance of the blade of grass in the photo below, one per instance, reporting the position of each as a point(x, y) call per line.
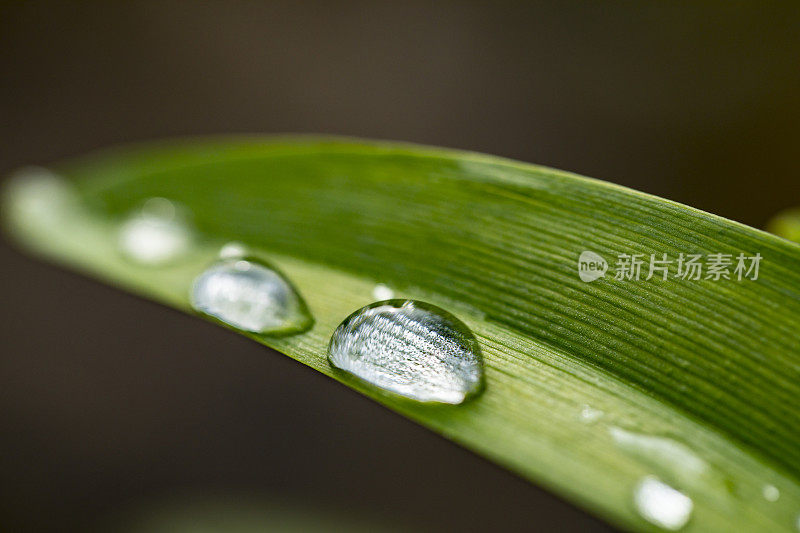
point(708, 370)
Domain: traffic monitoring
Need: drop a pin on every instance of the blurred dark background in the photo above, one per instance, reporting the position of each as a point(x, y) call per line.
point(107, 401)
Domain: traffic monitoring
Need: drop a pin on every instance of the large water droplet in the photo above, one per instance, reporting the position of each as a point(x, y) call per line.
point(156, 234)
point(411, 348)
point(250, 296)
point(660, 504)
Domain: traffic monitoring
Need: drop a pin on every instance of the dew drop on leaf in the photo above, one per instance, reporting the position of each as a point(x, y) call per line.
point(39, 194)
point(251, 296)
point(410, 348)
point(589, 414)
point(771, 493)
point(382, 292)
point(232, 249)
point(662, 505)
point(669, 458)
point(156, 234)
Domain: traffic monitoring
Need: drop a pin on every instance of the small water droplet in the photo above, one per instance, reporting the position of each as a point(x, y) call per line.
point(771, 493)
point(251, 296)
point(674, 459)
point(38, 194)
point(156, 234)
point(661, 505)
point(411, 348)
point(233, 249)
point(382, 292)
point(159, 207)
point(590, 415)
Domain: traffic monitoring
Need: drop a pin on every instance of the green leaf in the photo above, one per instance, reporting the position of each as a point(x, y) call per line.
point(590, 386)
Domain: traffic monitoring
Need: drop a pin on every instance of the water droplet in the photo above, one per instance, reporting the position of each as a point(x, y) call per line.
point(674, 459)
point(590, 415)
point(660, 504)
point(37, 193)
point(156, 234)
point(233, 249)
point(382, 292)
point(411, 348)
point(159, 207)
point(771, 493)
point(251, 296)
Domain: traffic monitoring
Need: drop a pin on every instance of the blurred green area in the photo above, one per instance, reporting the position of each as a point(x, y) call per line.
point(786, 224)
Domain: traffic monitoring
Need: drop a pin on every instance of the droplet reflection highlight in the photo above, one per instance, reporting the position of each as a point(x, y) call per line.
point(251, 296)
point(410, 348)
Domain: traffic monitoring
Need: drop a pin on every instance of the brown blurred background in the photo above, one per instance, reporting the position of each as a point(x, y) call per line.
point(107, 401)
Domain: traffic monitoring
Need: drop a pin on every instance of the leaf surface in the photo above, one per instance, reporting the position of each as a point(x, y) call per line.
point(591, 386)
